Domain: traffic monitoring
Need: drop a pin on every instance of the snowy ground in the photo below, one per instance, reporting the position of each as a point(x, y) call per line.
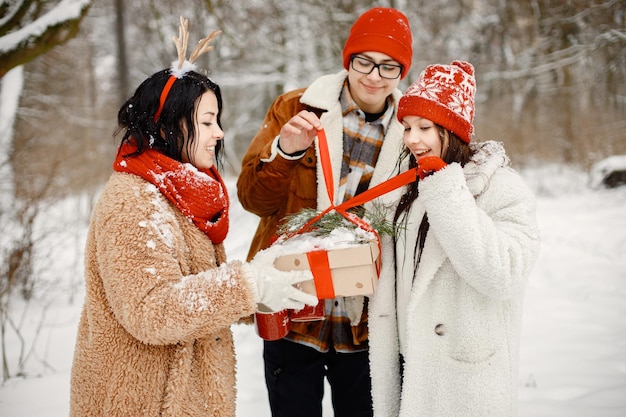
point(573, 348)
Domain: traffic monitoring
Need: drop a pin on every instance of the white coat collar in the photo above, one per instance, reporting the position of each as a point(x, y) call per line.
point(324, 94)
point(489, 156)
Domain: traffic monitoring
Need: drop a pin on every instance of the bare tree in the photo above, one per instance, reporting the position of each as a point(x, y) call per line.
point(551, 73)
point(28, 29)
point(122, 62)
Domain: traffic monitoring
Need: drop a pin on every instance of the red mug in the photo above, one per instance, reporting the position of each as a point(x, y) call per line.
point(272, 325)
point(309, 313)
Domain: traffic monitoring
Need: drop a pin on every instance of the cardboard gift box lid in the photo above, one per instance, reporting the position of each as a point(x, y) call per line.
point(354, 269)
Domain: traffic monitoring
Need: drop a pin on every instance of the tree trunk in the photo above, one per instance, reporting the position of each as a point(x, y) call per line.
point(122, 63)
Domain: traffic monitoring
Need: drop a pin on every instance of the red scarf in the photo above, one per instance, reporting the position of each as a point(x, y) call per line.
point(199, 194)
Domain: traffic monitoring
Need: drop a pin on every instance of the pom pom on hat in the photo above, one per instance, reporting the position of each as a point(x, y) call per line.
point(383, 30)
point(443, 94)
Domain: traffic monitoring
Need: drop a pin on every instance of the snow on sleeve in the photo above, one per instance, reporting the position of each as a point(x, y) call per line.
point(159, 220)
point(194, 291)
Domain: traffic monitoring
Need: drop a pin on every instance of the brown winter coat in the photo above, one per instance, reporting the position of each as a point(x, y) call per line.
point(154, 337)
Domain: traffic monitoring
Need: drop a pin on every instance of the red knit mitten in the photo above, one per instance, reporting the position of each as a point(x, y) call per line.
point(429, 164)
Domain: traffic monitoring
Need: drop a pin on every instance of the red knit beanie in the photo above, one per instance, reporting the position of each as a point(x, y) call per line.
point(444, 94)
point(381, 30)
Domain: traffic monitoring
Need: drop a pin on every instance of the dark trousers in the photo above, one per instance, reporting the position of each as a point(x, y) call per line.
point(294, 375)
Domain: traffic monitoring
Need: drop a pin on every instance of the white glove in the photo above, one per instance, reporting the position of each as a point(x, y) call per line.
point(273, 288)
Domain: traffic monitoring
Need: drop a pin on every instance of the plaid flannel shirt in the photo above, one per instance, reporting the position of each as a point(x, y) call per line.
point(362, 142)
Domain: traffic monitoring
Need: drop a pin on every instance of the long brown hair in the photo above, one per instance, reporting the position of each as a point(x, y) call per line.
point(453, 150)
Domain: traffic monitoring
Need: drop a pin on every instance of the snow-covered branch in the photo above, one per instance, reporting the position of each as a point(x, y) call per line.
point(37, 37)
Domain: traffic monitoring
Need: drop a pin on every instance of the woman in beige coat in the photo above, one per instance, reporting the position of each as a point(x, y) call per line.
point(154, 337)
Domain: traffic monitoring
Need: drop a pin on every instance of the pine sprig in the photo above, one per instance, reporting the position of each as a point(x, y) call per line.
point(377, 218)
point(333, 220)
point(330, 221)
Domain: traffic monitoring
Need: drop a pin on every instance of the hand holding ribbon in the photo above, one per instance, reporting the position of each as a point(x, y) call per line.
point(428, 165)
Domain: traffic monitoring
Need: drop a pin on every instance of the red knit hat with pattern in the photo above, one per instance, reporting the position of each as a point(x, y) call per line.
point(444, 94)
point(383, 30)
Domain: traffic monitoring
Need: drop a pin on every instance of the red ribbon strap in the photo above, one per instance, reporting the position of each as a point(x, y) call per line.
point(322, 277)
point(326, 167)
point(374, 192)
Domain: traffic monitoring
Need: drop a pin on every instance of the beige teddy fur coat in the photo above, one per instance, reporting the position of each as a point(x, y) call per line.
point(154, 336)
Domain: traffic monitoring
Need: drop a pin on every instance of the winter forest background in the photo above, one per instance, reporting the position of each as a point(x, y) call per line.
point(551, 79)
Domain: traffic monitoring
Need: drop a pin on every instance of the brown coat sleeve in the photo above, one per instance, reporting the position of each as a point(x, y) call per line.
point(275, 189)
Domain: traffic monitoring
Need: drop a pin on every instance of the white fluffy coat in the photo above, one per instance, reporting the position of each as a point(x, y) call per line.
point(465, 306)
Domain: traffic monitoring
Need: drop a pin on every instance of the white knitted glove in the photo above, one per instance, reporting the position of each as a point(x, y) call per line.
point(275, 289)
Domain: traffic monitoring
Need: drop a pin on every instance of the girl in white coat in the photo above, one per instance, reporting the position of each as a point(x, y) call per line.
point(445, 318)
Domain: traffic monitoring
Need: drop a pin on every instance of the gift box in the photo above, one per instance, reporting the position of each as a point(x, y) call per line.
point(338, 272)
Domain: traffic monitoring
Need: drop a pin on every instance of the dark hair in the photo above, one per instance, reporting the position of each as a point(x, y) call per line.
point(456, 151)
point(165, 135)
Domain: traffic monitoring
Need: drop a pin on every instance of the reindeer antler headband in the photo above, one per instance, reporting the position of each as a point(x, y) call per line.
point(183, 66)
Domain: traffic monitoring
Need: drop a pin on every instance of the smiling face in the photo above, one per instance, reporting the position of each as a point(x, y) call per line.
point(370, 91)
point(201, 153)
point(422, 138)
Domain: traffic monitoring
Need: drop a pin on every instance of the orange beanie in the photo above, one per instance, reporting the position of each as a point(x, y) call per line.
point(381, 30)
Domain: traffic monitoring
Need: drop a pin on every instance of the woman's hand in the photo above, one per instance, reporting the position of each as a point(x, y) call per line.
point(429, 164)
point(275, 289)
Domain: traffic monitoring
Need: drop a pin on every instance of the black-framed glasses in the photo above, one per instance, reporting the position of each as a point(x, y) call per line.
point(366, 66)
